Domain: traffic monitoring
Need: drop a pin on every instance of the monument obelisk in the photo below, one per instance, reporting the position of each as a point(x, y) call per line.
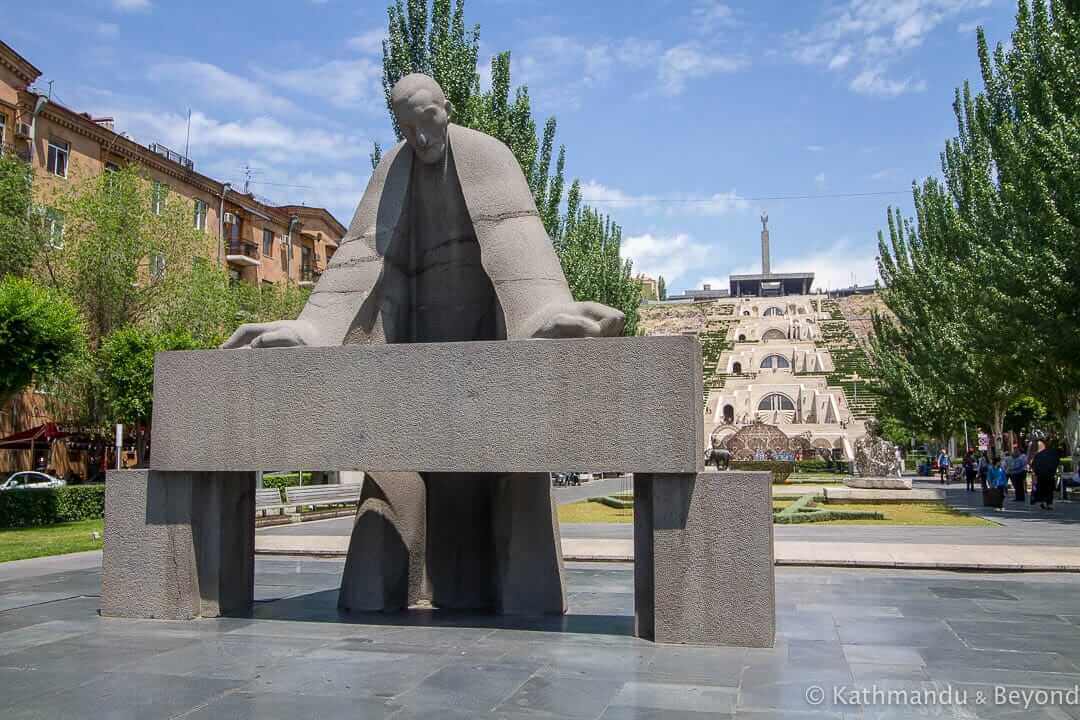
point(764, 242)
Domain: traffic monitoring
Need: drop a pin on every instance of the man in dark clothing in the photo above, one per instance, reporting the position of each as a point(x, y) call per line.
point(1045, 465)
point(971, 471)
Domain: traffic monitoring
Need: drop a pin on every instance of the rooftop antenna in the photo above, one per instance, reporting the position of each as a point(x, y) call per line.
point(50, 90)
point(249, 173)
point(187, 142)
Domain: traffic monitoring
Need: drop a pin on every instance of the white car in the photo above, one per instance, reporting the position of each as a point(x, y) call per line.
point(29, 479)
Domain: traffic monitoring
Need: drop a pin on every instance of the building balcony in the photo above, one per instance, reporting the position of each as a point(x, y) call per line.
point(241, 252)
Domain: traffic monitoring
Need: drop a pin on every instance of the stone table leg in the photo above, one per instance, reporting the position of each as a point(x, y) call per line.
point(703, 563)
point(178, 545)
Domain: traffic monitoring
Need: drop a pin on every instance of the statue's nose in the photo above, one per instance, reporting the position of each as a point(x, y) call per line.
point(421, 140)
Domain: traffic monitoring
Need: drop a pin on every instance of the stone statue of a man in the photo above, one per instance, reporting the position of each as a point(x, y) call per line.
point(446, 245)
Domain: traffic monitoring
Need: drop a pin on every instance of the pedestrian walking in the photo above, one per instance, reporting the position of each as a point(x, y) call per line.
point(971, 470)
point(899, 463)
point(943, 466)
point(984, 469)
point(1016, 469)
point(1045, 466)
point(994, 496)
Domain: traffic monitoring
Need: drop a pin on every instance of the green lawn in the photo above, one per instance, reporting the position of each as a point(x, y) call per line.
point(21, 543)
point(895, 514)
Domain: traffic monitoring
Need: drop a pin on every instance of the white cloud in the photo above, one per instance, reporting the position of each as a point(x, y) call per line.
point(671, 256)
point(819, 179)
point(130, 5)
point(261, 134)
point(970, 27)
point(840, 59)
point(873, 82)
point(220, 86)
point(105, 29)
point(369, 42)
point(349, 84)
point(686, 62)
point(869, 34)
point(710, 14)
point(708, 205)
point(883, 174)
point(815, 148)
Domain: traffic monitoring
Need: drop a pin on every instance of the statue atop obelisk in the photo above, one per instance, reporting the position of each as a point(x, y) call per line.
point(764, 242)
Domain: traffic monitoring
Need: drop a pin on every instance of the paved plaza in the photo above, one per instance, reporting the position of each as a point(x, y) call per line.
point(931, 632)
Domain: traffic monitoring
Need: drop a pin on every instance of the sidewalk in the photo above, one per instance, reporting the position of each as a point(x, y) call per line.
point(924, 556)
point(1025, 538)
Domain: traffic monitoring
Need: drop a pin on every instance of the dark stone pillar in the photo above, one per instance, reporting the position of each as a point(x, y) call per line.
point(178, 545)
point(703, 548)
point(528, 551)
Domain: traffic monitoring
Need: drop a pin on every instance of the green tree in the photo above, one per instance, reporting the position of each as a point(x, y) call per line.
point(125, 368)
point(661, 288)
point(589, 250)
point(21, 226)
point(1032, 100)
point(127, 247)
point(40, 334)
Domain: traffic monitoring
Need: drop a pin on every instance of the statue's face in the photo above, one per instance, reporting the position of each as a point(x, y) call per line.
point(423, 120)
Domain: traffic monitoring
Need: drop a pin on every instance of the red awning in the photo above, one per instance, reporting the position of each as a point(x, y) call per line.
point(37, 436)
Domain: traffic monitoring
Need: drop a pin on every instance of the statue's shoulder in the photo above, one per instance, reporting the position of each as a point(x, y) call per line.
point(481, 158)
point(468, 142)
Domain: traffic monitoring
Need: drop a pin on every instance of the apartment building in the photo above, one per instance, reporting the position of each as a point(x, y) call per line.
point(259, 242)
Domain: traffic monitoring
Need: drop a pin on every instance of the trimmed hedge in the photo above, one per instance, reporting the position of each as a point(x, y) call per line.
point(613, 501)
point(280, 481)
point(780, 470)
point(48, 506)
point(803, 511)
point(815, 465)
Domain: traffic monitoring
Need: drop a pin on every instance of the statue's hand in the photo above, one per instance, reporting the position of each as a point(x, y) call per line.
point(579, 319)
point(281, 333)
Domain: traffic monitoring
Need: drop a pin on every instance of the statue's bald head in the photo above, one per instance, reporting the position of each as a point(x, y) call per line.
point(423, 114)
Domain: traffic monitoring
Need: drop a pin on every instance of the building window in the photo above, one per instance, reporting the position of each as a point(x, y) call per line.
point(3, 131)
point(57, 162)
point(54, 226)
point(268, 243)
point(774, 334)
point(157, 199)
point(775, 362)
point(200, 215)
point(776, 401)
point(157, 266)
point(769, 312)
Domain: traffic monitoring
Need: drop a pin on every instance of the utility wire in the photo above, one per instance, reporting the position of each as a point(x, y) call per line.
point(699, 201)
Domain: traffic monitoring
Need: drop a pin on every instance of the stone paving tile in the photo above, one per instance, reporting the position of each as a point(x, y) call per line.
point(618, 712)
point(676, 697)
point(288, 706)
point(341, 673)
point(225, 657)
point(39, 634)
point(1042, 662)
point(896, 631)
point(469, 686)
point(562, 696)
point(19, 686)
point(12, 600)
point(92, 652)
point(122, 696)
point(883, 655)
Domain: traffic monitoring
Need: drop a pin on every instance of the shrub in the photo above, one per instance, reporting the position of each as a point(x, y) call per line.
point(48, 506)
point(780, 470)
point(814, 465)
point(285, 480)
point(613, 501)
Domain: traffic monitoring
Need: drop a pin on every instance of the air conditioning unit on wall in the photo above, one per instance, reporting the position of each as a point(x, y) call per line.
point(229, 218)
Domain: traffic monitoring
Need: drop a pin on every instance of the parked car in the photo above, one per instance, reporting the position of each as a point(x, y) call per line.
point(29, 479)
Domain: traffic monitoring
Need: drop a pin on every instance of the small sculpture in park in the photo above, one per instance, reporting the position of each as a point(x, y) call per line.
point(719, 455)
point(874, 455)
point(446, 245)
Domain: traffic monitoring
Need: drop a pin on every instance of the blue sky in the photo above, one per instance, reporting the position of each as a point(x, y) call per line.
point(683, 118)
